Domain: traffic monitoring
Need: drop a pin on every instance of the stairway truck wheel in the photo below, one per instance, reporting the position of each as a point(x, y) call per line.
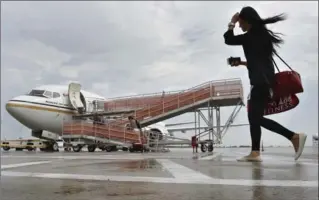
point(6, 148)
point(67, 149)
point(91, 148)
point(77, 148)
point(114, 148)
point(108, 148)
point(131, 149)
point(30, 149)
point(203, 148)
point(146, 149)
point(210, 148)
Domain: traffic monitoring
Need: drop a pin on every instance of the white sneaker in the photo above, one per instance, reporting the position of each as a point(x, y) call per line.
point(302, 141)
point(250, 159)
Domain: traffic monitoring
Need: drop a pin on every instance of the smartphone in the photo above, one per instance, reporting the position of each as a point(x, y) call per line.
point(233, 59)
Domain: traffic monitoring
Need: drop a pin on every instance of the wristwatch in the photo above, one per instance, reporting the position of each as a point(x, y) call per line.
point(231, 24)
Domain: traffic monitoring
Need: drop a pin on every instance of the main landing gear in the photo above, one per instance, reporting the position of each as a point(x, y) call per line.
point(204, 147)
point(50, 147)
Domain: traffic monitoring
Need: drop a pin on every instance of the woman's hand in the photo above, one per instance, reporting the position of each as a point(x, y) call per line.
point(235, 18)
point(237, 63)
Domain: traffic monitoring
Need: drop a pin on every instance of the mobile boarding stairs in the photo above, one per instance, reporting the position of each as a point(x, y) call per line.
point(149, 109)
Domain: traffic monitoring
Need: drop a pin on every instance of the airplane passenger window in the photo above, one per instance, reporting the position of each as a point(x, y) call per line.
point(56, 95)
point(48, 94)
point(37, 93)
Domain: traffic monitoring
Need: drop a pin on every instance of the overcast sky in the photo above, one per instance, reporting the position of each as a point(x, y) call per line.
point(122, 48)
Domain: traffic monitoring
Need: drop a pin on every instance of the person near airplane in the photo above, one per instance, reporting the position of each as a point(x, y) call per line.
point(195, 144)
point(135, 124)
point(258, 45)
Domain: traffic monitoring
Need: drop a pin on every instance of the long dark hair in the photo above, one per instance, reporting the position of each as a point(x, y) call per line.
point(258, 24)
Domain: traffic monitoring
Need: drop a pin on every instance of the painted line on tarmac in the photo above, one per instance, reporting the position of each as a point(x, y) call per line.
point(227, 182)
point(182, 172)
point(10, 166)
point(210, 157)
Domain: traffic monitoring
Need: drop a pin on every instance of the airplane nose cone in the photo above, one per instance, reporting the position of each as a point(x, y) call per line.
point(17, 110)
point(12, 109)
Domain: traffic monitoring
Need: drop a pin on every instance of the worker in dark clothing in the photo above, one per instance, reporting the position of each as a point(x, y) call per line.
point(258, 45)
point(135, 125)
point(195, 144)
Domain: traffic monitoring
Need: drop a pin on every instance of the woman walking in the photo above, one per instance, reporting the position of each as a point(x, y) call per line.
point(258, 45)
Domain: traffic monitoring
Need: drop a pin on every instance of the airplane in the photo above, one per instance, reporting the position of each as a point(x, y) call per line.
point(45, 108)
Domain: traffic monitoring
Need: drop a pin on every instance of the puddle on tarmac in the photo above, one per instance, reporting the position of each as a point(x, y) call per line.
point(125, 189)
point(138, 165)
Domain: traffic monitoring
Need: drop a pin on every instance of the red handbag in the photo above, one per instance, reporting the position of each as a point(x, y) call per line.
point(286, 82)
point(279, 105)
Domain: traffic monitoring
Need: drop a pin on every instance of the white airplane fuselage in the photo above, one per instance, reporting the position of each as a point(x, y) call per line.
point(47, 107)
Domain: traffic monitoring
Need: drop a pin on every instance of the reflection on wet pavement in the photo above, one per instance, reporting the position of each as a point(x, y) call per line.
point(219, 177)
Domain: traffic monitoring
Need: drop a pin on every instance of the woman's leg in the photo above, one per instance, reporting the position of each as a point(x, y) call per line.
point(258, 100)
point(298, 140)
point(277, 128)
point(255, 114)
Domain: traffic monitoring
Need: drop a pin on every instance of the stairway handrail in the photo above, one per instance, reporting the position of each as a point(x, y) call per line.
point(206, 85)
point(170, 92)
point(177, 93)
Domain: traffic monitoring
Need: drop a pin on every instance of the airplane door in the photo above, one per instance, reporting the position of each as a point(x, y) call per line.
point(89, 106)
point(74, 96)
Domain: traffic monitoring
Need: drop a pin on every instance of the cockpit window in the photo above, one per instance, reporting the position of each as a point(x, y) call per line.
point(44, 93)
point(48, 94)
point(37, 93)
point(56, 95)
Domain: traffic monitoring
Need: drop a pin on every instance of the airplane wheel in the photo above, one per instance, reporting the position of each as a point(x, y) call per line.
point(124, 149)
point(55, 147)
point(203, 148)
point(91, 148)
point(210, 148)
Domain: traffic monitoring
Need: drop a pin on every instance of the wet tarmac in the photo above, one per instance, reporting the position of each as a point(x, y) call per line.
point(175, 175)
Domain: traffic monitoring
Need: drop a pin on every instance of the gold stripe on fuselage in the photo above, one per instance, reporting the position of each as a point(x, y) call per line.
point(38, 107)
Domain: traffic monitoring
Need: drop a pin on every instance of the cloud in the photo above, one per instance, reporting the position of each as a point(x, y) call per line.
point(121, 48)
